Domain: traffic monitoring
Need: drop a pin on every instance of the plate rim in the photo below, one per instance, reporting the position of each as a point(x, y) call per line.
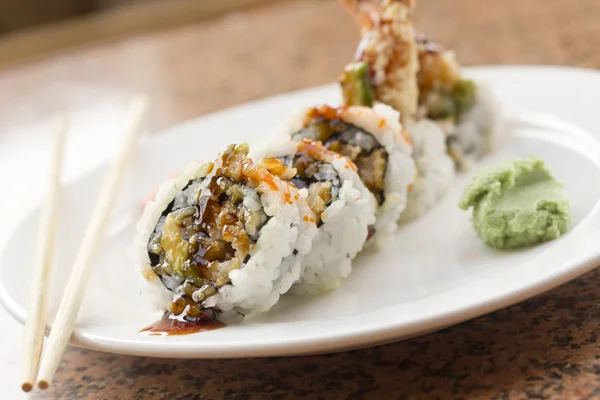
point(338, 341)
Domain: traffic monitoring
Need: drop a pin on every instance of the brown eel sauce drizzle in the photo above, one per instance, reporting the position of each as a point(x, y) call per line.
point(168, 326)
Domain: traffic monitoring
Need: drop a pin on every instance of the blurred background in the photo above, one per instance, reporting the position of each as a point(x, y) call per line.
point(86, 58)
point(197, 56)
point(26, 14)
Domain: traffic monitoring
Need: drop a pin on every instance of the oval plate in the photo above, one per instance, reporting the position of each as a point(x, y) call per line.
point(437, 272)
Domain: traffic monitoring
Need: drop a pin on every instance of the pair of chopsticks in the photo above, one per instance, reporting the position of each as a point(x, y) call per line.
point(65, 319)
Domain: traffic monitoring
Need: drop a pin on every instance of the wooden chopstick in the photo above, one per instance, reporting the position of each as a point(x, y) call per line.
point(37, 313)
point(63, 325)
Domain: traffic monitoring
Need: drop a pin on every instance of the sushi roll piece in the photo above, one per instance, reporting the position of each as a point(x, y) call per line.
point(224, 239)
point(398, 66)
point(435, 169)
point(344, 209)
point(373, 139)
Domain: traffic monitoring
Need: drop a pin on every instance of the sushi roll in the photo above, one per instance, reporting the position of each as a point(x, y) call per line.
point(398, 66)
point(373, 139)
point(344, 209)
point(435, 169)
point(224, 239)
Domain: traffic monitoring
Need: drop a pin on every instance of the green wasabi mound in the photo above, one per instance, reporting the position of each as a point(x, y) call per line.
point(517, 204)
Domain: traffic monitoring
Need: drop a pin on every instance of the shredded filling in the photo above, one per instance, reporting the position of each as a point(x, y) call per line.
point(443, 94)
point(208, 230)
point(351, 141)
point(319, 178)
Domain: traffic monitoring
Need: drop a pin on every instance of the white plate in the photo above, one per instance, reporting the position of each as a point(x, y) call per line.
point(436, 274)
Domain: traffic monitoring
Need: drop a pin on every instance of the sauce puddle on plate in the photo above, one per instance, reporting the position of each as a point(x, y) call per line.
point(169, 326)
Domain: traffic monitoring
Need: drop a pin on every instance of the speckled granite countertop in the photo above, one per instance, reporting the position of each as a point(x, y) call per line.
point(546, 347)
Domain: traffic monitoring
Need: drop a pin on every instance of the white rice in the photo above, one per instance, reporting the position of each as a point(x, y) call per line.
point(344, 227)
point(339, 239)
point(383, 122)
point(276, 260)
point(435, 169)
point(472, 138)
